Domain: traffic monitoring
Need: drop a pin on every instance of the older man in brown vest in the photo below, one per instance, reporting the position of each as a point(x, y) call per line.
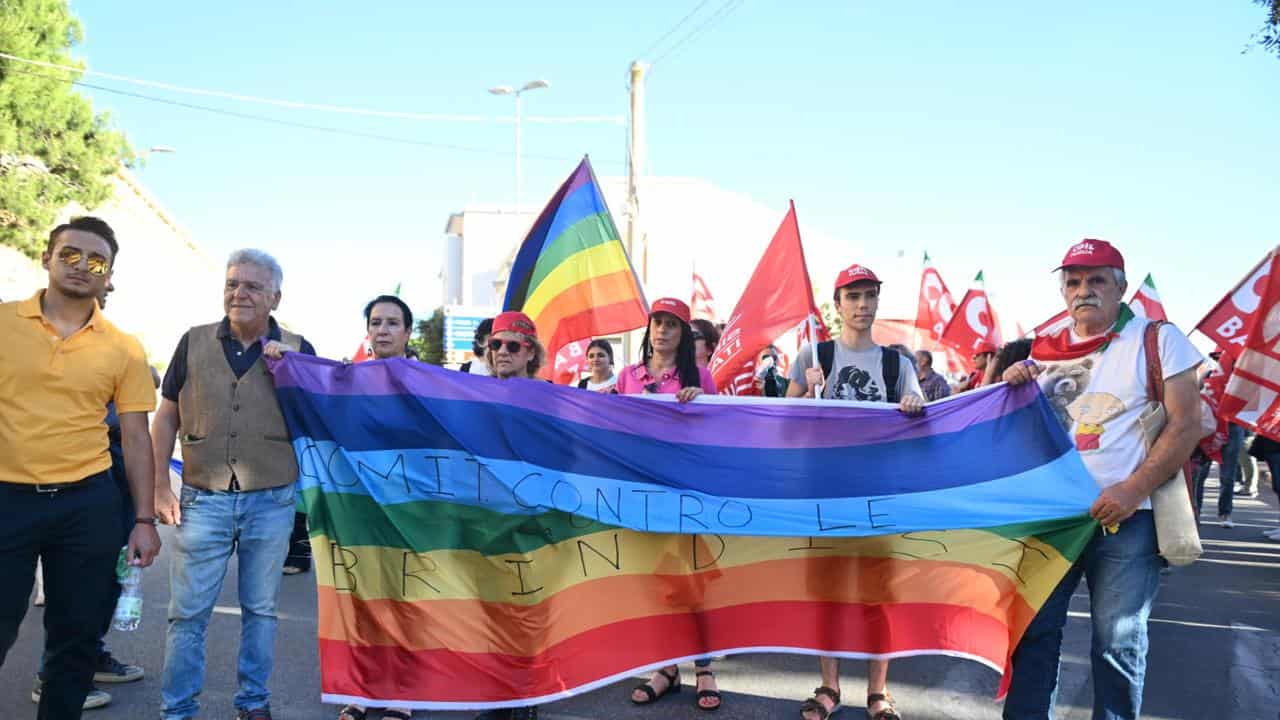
point(238, 484)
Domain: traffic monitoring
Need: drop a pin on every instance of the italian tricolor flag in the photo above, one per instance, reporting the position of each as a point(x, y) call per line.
point(1146, 301)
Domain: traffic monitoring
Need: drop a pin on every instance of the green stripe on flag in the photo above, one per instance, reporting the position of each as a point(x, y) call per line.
point(421, 526)
point(588, 232)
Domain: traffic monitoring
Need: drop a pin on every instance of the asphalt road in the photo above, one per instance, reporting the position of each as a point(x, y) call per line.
point(1215, 652)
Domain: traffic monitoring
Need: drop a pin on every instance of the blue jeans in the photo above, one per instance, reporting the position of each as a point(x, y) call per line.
point(1123, 574)
point(1228, 472)
point(256, 526)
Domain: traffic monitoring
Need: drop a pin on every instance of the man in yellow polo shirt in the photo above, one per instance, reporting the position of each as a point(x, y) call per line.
point(61, 362)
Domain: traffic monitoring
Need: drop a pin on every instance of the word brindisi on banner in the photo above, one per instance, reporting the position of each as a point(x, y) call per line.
point(483, 543)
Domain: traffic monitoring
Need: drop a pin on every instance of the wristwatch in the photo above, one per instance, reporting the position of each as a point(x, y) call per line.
point(146, 521)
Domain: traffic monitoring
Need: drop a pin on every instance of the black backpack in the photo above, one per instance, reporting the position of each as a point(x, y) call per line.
point(889, 358)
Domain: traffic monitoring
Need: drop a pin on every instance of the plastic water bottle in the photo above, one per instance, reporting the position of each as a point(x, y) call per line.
point(129, 607)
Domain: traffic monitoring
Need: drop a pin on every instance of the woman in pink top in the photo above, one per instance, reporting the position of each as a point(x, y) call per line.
point(668, 367)
point(667, 364)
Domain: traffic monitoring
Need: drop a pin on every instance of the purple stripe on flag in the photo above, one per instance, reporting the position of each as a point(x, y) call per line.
point(747, 425)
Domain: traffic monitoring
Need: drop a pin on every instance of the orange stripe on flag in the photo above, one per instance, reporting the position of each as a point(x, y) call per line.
point(478, 626)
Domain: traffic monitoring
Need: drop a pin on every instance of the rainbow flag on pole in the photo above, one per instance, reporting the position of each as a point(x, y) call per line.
point(482, 543)
point(572, 276)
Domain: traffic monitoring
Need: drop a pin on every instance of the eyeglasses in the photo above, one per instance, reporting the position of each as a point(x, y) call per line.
point(513, 346)
point(71, 257)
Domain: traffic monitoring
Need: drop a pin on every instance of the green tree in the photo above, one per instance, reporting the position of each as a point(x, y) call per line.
point(53, 149)
point(1269, 35)
point(428, 341)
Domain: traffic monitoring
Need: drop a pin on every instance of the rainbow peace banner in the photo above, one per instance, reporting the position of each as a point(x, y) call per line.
point(482, 543)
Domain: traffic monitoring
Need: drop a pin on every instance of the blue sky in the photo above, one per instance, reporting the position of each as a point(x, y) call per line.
point(993, 134)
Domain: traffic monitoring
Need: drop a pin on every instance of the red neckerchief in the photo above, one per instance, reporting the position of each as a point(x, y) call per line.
point(1058, 346)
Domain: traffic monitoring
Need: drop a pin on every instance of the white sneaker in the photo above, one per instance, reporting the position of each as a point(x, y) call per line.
point(1225, 521)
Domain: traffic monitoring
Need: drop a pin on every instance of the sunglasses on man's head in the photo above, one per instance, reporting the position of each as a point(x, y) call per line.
point(513, 346)
point(71, 257)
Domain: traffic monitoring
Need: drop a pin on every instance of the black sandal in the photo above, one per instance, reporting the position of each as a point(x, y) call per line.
point(890, 714)
point(673, 686)
point(351, 711)
point(816, 706)
point(707, 694)
point(396, 715)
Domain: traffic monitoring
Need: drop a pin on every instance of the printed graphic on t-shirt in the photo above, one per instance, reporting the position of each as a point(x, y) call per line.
point(854, 383)
point(1092, 412)
point(1083, 414)
point(1063, 384)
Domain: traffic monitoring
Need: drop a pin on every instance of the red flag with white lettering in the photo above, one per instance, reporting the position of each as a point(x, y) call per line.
point(702, 305)
point(1215, 386)
point(1228, 322)
point(1252, 396)
point(571, 362)
point(1146, 301)
point(936, 306)
point(778, 298)
point(973, 325)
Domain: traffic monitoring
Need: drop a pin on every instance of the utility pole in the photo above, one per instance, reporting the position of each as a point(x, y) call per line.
point(636, 156)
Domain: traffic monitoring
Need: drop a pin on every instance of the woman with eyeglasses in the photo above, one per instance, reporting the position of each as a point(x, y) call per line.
point(513, 352)
point(600, 363)
point(668, 366)
point(389, 323)
point(705, 339)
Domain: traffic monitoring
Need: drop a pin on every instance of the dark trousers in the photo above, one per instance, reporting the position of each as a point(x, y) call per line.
point(299, 544)
point(127, 517)
point(75, 532)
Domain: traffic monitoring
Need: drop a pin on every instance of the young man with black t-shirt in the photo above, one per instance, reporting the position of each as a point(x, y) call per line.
point(854, 367)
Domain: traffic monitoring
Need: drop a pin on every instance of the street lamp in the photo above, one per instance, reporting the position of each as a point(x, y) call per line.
point(508, 90)
point(153, 150)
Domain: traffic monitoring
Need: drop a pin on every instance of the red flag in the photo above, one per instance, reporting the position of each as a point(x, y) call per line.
point(1053, 325)
point(1228, 322)
point(974, 323)
point(936, 305)
point(1252, 396)
point(1146, 301)
point(1215, 386)
point(571, 361)
point(364, 353)
point(702, 304)
point(778, 297)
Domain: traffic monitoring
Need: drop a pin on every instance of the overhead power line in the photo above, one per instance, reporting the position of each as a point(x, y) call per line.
point(654, 45)
point(316, 107)
point(303, 126)
point(727, 8)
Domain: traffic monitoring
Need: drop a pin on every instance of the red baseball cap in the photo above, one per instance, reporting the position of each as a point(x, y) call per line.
point(1092, 253)
point(855, 273)
point(513, 321)
point(671, 306)
point(986, 347)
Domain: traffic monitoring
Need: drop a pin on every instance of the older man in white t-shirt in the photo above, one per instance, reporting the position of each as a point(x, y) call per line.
point(1095, 375)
